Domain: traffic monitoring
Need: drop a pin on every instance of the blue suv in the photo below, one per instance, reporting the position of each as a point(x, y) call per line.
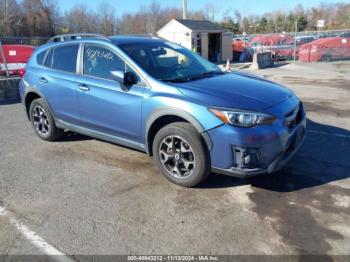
point(160, 98)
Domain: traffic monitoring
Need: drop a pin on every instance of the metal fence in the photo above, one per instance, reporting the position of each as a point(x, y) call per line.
point(307, 46)
point(312, 46)
point(33, 41)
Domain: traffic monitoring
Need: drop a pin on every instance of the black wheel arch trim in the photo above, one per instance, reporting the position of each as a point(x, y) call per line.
point(38, 93)
point(172, 111)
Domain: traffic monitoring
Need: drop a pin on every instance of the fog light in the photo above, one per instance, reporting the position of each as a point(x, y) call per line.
point(247, 159)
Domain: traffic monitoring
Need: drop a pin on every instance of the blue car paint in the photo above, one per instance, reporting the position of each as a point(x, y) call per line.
point(235, 91)
point(107, 109)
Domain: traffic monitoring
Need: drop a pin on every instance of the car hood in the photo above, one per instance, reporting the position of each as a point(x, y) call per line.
point(236, 90)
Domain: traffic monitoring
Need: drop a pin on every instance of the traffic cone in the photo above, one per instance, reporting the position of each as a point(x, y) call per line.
point(228, 66)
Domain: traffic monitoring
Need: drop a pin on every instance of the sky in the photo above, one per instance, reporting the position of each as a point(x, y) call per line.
point(246, 7)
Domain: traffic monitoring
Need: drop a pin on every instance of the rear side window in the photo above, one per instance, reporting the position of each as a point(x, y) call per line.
point(40, 58)
point(64, 58)
point(100, 62)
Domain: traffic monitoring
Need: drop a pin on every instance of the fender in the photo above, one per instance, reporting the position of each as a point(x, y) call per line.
point(172, 111)
point(37, 92)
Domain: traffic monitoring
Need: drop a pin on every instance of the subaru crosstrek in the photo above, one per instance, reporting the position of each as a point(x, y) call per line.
point(160, 98)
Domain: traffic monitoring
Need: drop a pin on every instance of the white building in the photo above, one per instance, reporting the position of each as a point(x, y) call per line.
point(204, 37)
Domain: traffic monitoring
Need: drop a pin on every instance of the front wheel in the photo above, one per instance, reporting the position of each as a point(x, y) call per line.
point(181, 155)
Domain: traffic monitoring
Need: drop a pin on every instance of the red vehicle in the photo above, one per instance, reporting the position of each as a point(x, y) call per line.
point(286, 51)
point(271, 40)
point(325, 49)
point(238, 44)
point(16, 57)
point(281, 45)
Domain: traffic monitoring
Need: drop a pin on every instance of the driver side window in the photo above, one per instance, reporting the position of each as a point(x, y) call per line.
point(100, 62)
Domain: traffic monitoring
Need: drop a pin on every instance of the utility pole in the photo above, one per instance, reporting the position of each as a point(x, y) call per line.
point(184, 9)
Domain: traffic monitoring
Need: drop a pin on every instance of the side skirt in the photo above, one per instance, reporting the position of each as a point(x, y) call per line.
point(102, 136)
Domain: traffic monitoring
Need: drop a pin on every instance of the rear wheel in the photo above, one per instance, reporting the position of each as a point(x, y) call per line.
point(181, 155)
point(43, 122)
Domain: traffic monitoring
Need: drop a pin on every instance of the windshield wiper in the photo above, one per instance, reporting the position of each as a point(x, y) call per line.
point(194, 77)
point(212, 73)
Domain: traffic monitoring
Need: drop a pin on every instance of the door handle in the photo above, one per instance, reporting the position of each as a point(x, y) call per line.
point(43, 80)
point(83, 87)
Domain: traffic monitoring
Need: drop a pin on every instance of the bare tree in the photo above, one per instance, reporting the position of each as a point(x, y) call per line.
point(197, 15)
point(39, 17)
point(154, 17)
point(238, 17)
point(144, 17)
point(81, 20)
point(43, 18)
point(10, 17)
point(210, 11)
point(108, 19)
point(50, 8)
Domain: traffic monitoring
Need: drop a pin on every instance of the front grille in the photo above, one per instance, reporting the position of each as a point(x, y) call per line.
point(294, 117)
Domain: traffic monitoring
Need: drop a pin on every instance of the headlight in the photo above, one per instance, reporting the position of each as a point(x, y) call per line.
point(242, 118)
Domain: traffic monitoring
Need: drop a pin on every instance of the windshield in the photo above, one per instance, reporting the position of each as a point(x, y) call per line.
point(167, 61)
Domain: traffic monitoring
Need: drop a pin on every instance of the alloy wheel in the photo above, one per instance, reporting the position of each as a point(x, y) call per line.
point(41, 121)
point(177, 156)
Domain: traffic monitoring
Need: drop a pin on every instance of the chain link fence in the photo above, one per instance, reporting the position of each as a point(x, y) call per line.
point(313, 46)
point(33, 41)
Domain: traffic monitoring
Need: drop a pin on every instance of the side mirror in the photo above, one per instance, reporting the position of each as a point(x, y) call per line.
point(130, 79)
point(127, 79)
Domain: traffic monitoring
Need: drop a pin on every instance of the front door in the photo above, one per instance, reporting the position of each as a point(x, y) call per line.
point(104, 104)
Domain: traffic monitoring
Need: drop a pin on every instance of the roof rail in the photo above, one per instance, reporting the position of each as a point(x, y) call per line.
point(67, 37)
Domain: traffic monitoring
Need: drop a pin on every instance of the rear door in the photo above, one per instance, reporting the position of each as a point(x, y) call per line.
point(58, 82)
point(104, 104)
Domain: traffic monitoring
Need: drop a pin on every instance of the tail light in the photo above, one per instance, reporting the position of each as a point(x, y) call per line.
point(21, 72)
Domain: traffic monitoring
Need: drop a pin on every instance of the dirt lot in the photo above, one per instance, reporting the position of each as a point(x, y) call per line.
point(83, 196)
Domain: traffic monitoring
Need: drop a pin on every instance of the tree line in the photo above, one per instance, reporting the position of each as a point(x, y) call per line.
point(44, 18)
point(336, 16)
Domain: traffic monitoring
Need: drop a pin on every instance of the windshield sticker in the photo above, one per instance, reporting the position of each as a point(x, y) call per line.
point(175, 46)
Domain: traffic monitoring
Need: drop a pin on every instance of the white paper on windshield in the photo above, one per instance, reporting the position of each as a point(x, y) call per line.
point(12, 53)
point(344, 40)
point(175, 46)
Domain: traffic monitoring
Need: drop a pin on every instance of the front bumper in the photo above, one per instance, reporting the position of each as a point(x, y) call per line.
point(275, 166)
point(275, 146)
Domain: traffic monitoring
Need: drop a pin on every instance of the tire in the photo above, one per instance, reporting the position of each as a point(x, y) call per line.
point(180, 145)
point(327, 58)
point(43, 122)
